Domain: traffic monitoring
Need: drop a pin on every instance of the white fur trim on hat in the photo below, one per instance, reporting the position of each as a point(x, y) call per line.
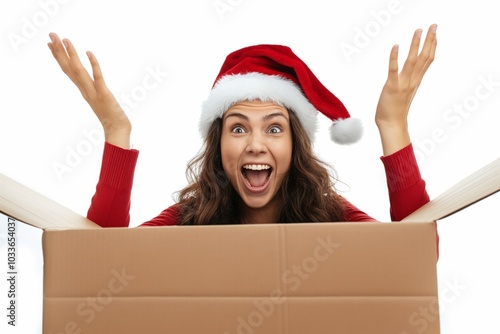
point(235, 88)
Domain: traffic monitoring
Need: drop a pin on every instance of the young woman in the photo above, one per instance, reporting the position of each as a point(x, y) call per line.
point(257, 164)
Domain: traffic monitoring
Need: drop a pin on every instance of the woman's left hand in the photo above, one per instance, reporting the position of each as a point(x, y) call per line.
point(397, 94)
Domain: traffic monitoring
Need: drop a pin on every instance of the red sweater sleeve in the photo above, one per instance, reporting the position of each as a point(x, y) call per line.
point(110, 205)
point(406, 187)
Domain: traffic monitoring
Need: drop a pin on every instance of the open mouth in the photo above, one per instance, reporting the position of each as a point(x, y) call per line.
point(257, 176)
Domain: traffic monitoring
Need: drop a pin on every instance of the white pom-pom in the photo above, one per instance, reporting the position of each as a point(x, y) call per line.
point(346, 131)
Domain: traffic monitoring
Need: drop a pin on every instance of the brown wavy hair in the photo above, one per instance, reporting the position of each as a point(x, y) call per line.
point(307, 192)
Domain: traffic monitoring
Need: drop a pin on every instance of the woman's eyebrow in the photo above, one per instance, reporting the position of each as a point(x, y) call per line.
point(275, 114)
point(236, 114)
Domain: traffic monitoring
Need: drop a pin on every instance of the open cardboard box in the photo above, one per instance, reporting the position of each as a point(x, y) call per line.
point(298, 278)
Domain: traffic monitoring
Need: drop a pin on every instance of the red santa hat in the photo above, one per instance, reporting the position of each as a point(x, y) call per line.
point(273, 73)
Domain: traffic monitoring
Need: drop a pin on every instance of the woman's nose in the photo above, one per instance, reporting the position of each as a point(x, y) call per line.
point(256, 144)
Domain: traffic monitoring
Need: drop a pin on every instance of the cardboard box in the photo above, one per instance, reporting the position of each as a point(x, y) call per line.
point(277, 278)
point(303, 278)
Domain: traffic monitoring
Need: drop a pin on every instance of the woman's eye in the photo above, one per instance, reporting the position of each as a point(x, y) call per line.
point(275, 129)
point(237, 129)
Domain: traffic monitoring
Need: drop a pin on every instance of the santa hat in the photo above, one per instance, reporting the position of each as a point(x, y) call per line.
point(273, 73)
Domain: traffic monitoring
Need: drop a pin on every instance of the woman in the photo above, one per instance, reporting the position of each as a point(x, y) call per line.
point(257, 164)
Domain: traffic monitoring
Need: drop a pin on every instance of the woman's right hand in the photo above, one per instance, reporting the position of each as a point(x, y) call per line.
point(115, 122)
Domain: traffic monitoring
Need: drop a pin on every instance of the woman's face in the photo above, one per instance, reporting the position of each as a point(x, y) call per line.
point(256, 149)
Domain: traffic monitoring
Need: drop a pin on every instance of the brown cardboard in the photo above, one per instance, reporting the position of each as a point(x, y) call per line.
point(279, 278)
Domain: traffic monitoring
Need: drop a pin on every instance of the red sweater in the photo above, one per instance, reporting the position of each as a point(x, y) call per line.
point(111, 202)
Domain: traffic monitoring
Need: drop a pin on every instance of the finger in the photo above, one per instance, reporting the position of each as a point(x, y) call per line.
point(59, 52)
point(430, 41)
point(393, 64)
point(96, 72)
point(425, 58)
point(77, 68)
point(427, 55)
point(51, 47)
point(412, 54)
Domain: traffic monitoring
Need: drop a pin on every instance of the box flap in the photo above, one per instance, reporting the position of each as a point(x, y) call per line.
point(26, 205)
point(480, 184)
point(345, 278)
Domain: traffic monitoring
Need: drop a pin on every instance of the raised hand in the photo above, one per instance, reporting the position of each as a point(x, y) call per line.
point(115, 122)
point(397, 94)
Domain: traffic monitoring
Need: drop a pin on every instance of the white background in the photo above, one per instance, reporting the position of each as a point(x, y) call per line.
point(51, 141)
